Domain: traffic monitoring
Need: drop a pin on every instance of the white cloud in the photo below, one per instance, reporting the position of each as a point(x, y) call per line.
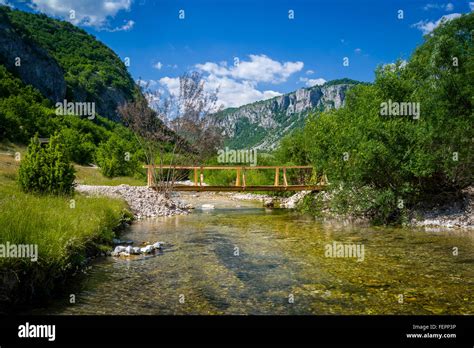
point(259, 68)
point(238, 84)
point(312, 82)
point(158, 65)
point(236, 93)
point(358, 50)
point(310, 72)
point(428, 26)
point(447, 7)
point(93, 13)
point(171, 84)
point(147, 83)
point(471, 5)
point(231, 93)
point(126, 27)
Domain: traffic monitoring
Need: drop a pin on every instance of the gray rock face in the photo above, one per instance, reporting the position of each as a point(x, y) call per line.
point(37, 67)
point(111, 98)
point(274, 118)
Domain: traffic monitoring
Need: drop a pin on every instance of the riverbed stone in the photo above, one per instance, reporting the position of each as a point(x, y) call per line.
point(143, 201)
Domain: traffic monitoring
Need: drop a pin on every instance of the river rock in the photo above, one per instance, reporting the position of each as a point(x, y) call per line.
point(147, 250)
point(207, 206)
point(158, 245)
point(119, 249)
point(143, 201)
point(268, 203)
point(136, 251)
point(291, 202)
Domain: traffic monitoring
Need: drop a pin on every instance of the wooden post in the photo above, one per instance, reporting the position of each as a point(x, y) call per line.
point(201, 177)
point(243, 178)
point(149, 177)
point(195, 177)
point(277, 175)
point(237, 180)
point(324, 180)
point(285, 182)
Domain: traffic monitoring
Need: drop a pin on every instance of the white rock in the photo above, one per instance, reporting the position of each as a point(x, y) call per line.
point(136, 251)
point(146, 250)
point(207, 206)
point(119, 249)
point(158, 245)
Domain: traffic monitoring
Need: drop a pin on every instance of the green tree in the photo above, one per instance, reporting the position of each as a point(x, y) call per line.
point(117, 157)
point(46, 169)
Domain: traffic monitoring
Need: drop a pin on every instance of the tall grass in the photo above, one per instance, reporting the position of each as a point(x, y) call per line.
point(93, 176)
point(66, 233)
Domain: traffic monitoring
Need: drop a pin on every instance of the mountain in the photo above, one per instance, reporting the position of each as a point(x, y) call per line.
point(63, 61)
point(44, 61)
point(262, 124)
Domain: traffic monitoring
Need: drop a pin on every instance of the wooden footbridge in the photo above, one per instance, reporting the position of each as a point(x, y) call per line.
point(240, 180)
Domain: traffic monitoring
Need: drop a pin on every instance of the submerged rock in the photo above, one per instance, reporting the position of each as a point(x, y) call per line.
point(269, 203)
point(147, 250)
point(129, 250)
point(158, 245)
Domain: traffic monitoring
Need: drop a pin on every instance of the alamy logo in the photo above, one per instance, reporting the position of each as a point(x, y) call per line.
point(392, 108)
point(37, 331)
point(27, 251)
point(84, 109)
point(237, 156)
point(337, 249)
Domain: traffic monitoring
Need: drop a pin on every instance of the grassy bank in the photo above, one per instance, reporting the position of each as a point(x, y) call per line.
point(93, 176)
point(66, 233)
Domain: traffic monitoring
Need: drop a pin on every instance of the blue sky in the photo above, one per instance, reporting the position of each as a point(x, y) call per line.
point(276, 54)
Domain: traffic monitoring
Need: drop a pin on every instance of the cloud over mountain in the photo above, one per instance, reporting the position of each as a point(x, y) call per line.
point(92, 13)
point(237, 84)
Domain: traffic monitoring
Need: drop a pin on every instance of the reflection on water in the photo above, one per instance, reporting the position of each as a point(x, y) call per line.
point(243, 259)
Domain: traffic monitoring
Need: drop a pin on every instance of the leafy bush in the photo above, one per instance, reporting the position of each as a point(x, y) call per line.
point(46, 169)
point(78, 147)
point(117, 157)
point(400, 157)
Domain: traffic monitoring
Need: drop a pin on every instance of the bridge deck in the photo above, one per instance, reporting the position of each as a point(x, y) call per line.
point(241, 184)
point(248, 188)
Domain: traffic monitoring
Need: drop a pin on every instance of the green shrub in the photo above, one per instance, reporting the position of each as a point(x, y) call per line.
point(46, 169)
point(381, 159)
point(117, 157)
point(78, 147)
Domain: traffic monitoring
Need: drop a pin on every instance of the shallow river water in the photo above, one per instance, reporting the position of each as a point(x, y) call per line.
point(241, 258)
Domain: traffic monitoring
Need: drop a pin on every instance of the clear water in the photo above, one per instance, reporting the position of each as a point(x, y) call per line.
point(243, 259)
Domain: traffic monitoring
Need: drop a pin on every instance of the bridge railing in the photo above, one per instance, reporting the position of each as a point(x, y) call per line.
point(240, 180)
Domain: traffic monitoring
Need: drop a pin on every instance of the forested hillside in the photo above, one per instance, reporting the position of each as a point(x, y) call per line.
point(44, 61)
point(92, 71)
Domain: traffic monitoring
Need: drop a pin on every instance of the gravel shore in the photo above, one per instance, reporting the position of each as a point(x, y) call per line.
point(459, 212)
point(143, 201)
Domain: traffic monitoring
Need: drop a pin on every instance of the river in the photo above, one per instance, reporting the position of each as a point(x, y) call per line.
point(241, 258)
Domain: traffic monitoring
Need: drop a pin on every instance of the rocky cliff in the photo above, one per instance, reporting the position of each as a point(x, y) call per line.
point(262, 124)
point(32, 64)
point(63, 61)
